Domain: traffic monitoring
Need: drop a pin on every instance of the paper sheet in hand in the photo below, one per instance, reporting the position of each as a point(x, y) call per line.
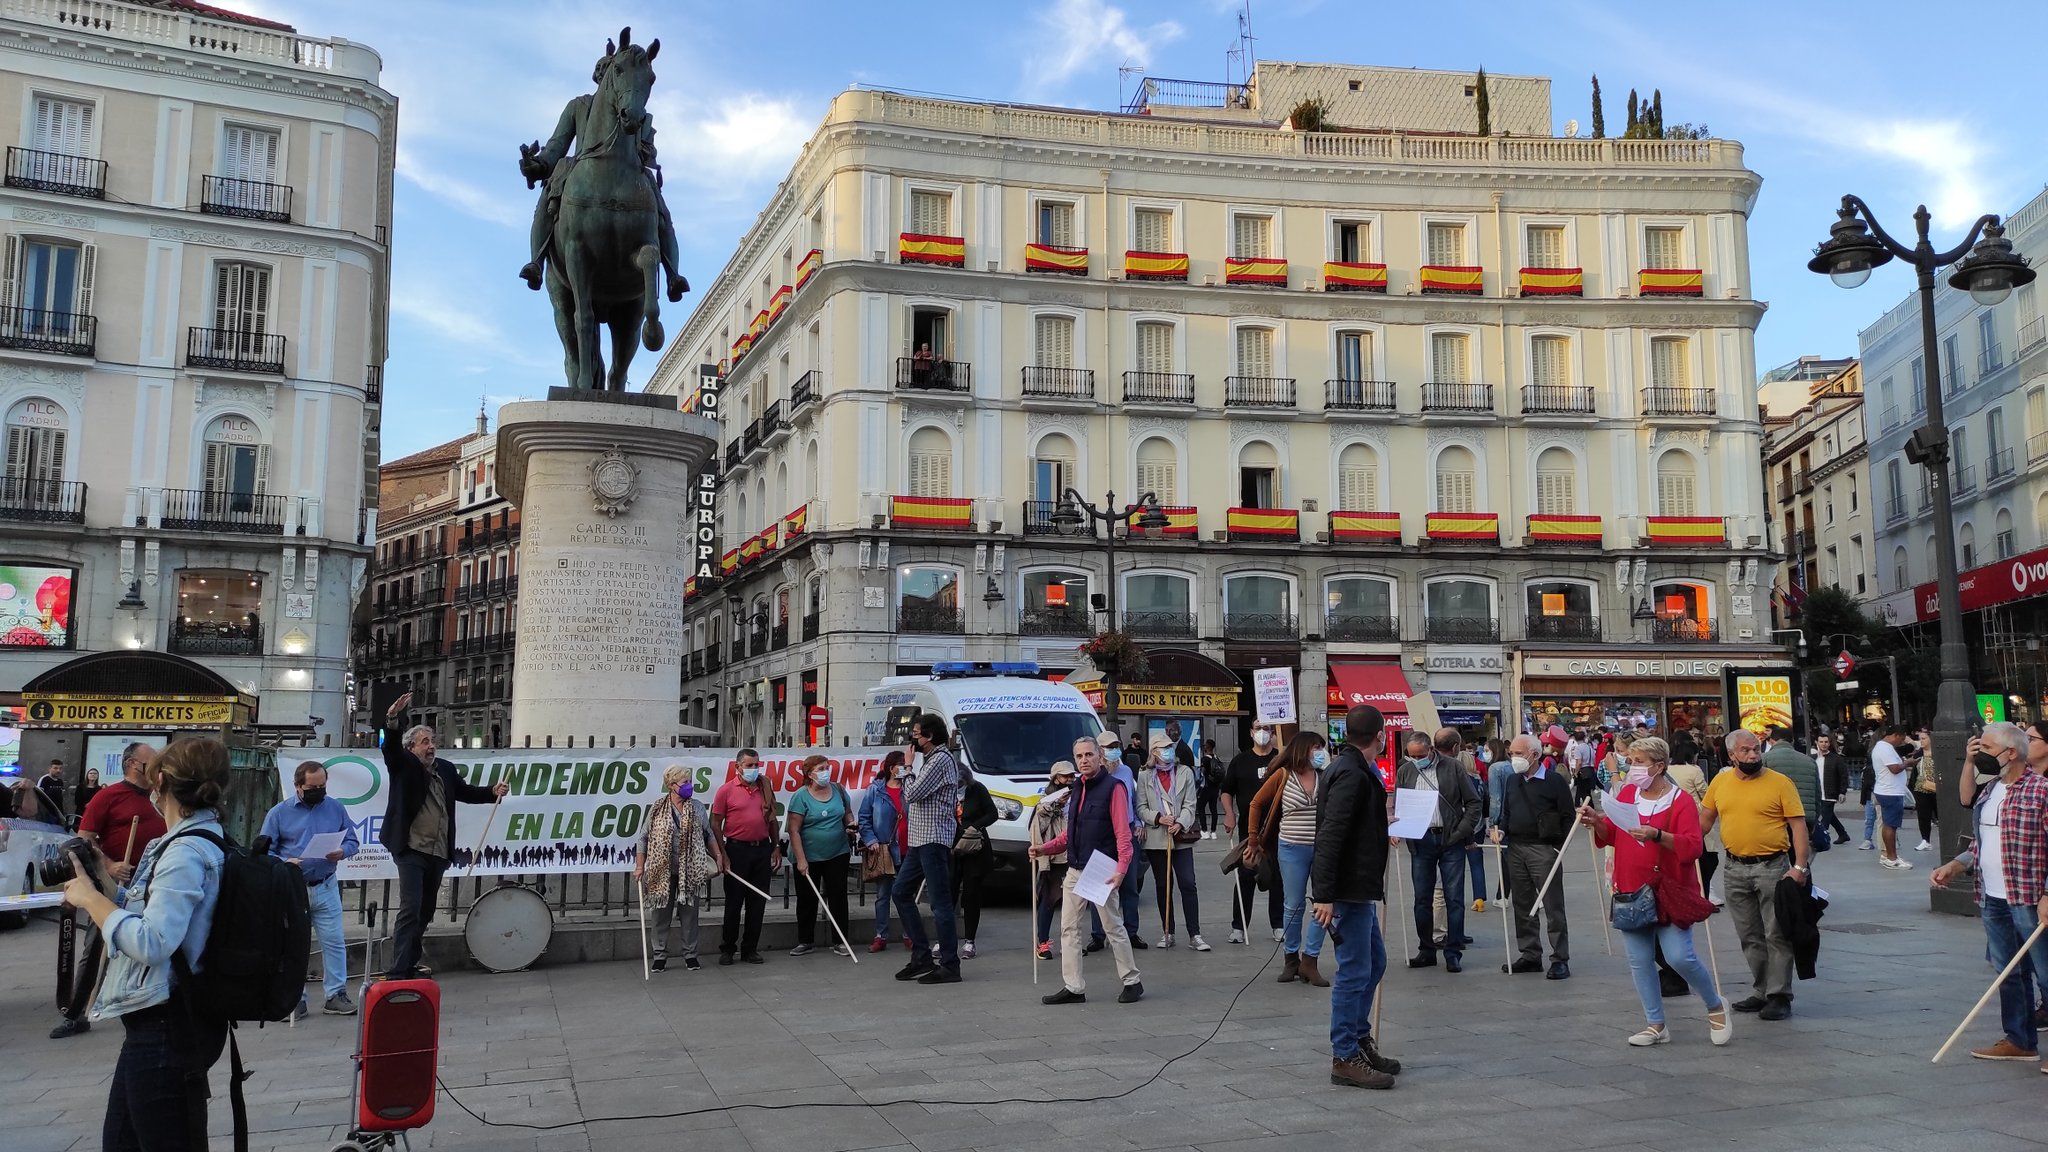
point(1412, 809)
point(1622, 816)
point(1094, 886)
point(322, 844)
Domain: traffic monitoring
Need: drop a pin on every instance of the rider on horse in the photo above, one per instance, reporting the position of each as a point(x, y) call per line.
point(551, 164)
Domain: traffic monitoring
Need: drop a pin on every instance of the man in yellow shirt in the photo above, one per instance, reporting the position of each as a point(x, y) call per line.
point(1763, 835)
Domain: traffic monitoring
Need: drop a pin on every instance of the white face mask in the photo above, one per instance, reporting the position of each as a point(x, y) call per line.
point(822, 777)
point(1262, 738)
point(1522, 764)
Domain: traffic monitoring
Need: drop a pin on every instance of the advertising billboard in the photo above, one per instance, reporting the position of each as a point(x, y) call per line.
point(35, 606)
point(1763, 698)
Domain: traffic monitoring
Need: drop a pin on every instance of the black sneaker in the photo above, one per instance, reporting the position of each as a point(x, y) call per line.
point(1064, 996)
point(1138, 943)
point(691, 964)
point(941, 975)
point(1525, 966)
point(660, 964)
point(753, 958)
point(1775, 1008)
point(1750, 1004)
point(1559, 970)
point(918, 967)
point(1094, 945)
point(1452, 965)
point(70, 1026)
point(1379, 1062)
point(1422, 960)
point(1131, 994)
point(725, 959)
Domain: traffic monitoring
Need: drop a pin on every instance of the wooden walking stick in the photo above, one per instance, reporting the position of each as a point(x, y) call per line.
point(1166, 890)
point(1379, 994)
point(829, 918)
point(1035, 874)
point(477, 853)
point(1603, 887)
point(1989, 992)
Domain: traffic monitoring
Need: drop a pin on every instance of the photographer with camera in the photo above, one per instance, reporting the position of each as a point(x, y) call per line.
point(156, 929)
point(120, 821)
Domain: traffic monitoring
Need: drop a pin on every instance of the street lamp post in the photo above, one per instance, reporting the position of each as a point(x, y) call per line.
point(1986, 267)
point(1072, 515)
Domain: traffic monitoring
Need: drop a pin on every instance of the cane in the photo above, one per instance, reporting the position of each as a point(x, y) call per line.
point(1602, 886)
point(1403, 925)
point(1035, 874)
point(742, 882)
point(836, 930)
point(1379, 995)
point(1988, 992)
point(1507, 931)
point(477, 852)
point(1713, 962)
point(1555, 865)
point(1166, 890)
point(646, 970)
point(1237, 897)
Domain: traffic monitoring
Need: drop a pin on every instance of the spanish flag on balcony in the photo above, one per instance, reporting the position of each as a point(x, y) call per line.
point(750, 549)
point(1462, 526)
point(730, 562)
point(771, 538)
point(1266, 523)
point(779, 303)
point(759, 327)
point(1669, 282)
point(1047, 258)
point(1564, 529)
point(808, 266)
point(1248, 270)
point(1155, 265)
point(689, 588)
point(949, 512)
point(794, 524)
point(1553, 281)
point(1458, 278)
point(918, 248)
point(740, 346)
point(1365, 527)
point(1342, 277)
point(1179, 522)
point(1688, 531)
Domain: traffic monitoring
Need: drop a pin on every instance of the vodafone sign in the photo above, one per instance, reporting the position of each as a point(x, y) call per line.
point(2019, 578)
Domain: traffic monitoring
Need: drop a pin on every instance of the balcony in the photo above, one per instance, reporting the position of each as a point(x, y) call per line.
point(1951, 381)
point(1261, 626)
point(1652, 282)
point(924, 374)
point(1666, 401)
point(1054, 621)
point(1895, 509)
point(1889, 418)
point(1966, 480)
point(1159, 388)
point(811, 623)
point(1258, 392)
point(1059, 383)
point(1457, 398)
point(2032, 333)
point(2000, 467)
point(2037, 448)
point(778, 637)
point(57, 172)
point(1160, 625)
point(200, 510)
point(774, 429)
point(29, 500)
point(204, 638)
point(1461, 630)
point(1803, 480)
point(1990, 358)
point(733, 452)
point(757, 641)
point(373, 384)
point(1926, 502)
point(234, 350)
point(805, 391)
point(246, 199)
point(57, 333)
point(1358, 395)
point(1363, 629)
point(1679, 630)
point(751, 438)
point(1038, 519)
point(1557, 400)
point(713, 660)
point(1784, 491)
point(930, 620)
point(1585, 628)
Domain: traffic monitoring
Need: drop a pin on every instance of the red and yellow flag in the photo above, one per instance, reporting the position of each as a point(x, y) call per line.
point(1263, 523)
point(808, 266)
point(730, 562)
point(1179, 522)
point(918, 248)
point(779, 303)
point(1365, 527)
point(759, 327)
point(1341, 277)
point(1462, 526)
point(1564, 529)
point(1248, 270)
point(740, 346)
point(931, 512)
point(1047, 258)
point(1553, 281)
point(1688, 531)
point(750, 549)
point(1669, 282)
point(1156, 265)
point(771, 538)
point(689, 587)
point(794, 524)
point(1457, 278)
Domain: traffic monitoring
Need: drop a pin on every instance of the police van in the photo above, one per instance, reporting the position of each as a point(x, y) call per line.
point(1009, 726)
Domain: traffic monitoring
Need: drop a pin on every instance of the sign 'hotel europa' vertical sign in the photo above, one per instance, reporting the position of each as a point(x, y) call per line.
point(704, 501)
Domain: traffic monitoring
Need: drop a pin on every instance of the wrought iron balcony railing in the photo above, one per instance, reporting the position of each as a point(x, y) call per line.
point(1461, 630)
point(25, 498)
point(1258, 391)
point(930, 620)
point(207, 510)
point(235, 350)
point(1665, 401)
point(57, 172)
point(1059, 383)
point(1363, 629)
point(1159, 387)
point(58, 333)
point(1457, 397)
point(1358, 395)
point(1160, 625)
point(246, 199)
point(927, 374)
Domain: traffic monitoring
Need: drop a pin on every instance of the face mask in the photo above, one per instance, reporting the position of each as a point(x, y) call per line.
point(1262, 738)
point(1420, 761)
point(1753, 769)
point(1638, 776)
point(750, 774)
point(1319, 759)
point(822, 776)
point(1521, 764)
point(1987, 766)
point(314, 795)
point(1166, 756)
point(1112, 755)
point(685, 790)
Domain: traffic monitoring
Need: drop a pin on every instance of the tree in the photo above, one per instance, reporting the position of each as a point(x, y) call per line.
point(1827, 614)
point(1599, 116)
point(1484, 106)
point(1634, 116)
point(1310, 115)
point(1657, 114)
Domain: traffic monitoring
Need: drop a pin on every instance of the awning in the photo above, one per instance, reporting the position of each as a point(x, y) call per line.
point(1379, 683)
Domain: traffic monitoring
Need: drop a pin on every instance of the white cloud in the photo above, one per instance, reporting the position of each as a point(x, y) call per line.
point(1948, 153)
point(462, 194)
point(733, 143)
point(435, 312)
point(1078, 34)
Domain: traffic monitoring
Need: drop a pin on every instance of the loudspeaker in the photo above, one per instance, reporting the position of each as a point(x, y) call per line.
point(401, 1054)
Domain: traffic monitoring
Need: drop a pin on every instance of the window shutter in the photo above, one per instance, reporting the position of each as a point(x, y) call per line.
point(1354, 355)
point(88, 265)
point(17, 452)
point(1546, 247)
point(1055, 342)
point(216, 468)
point(929, 212)
point(1675, 491)
point(262, 468)
point(1556, 494)
point(1155, 347)
point(10, 275)
point(1447, 358)
point(1664, 247)
point(1153, 230)
point(1454, 491)
point(1060, 222)
point(1670, 367)
point(1446, 244)
point(1254, 351)
point(1358, 489)
point(1158, 477)
point(1549, 362)
point(48, 463)
point(1251, 236)
point(931, 474)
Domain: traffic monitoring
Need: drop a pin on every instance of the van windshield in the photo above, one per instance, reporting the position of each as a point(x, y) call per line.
point(1023, 744)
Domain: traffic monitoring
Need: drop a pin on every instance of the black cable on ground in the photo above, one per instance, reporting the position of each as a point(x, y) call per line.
point(1146, 1083)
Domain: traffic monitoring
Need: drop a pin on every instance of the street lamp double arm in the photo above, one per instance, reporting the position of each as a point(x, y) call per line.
point(1075, 513)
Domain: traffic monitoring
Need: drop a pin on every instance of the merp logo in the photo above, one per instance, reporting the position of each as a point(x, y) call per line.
point(353, 779)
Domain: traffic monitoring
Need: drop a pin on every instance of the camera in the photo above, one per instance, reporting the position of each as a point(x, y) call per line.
point(56, 864)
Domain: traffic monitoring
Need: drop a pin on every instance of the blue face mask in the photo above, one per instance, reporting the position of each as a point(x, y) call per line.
point(1166, 755)
point(1319, 759)
point(1112, 755)
point(750, 774)
point(685, 790)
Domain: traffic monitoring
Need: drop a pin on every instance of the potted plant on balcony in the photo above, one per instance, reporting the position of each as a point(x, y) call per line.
point(1117, 656)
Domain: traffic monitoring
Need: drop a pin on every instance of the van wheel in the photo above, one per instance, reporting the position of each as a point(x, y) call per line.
point(11, 921)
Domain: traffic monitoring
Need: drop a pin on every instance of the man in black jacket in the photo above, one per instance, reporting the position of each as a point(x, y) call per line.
point(1440, 853)
point(419, 827)
point(1535, 817)
point(1349, 874)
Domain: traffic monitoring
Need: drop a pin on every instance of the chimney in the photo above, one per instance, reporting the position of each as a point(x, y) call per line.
point(483, 420)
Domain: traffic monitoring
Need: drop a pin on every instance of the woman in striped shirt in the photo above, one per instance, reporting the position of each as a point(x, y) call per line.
point(1283, 820)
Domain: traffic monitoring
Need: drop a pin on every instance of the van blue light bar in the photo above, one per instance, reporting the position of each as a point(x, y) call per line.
point(946, 669)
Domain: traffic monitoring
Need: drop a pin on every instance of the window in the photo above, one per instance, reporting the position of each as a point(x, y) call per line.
point(1894, 487)
point(1254, 351)
point(1352, 597)
point(930, 332)
point(1358, 479)
point(1056, 223)
point(1550, 361)
point(1555, 599)
point(1855, 494)
point(1155, 346)
point(1354, 355)
point(1258, 476)
point(813, 482)
point(1664, 248)
point(1677, 485)
point(1917, 388)
point(51, 281)
point(1899, 569)
point(1457, 478)
point(1152, 230)
point(249, 154)
point(931, 213)
point(1052, 470)
point(1352, 242)
point(1557, 483)
point(1545, 244)
point(1951, 363)
point(237, 464)
point(1057, 594)
point(61, 126)
point(1251, 237)
point(1987, 340)
point(1053, 341)
point(36, 434)
point(2003, 539)
point(1959, 449)
point(1832, 573)
point(1966, 546)
point(1449, 357)
point(1827, 504)
point(1460, 599)
point(1994, 441)
point(219, 606)
point(1446, 244)
point(241, 305)
point(1670, 362)
point(1683, 601)
point(1158, 470)
point(1257, 599)
point(931, 463)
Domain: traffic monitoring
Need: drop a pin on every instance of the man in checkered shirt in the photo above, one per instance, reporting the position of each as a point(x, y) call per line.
point(932, 794)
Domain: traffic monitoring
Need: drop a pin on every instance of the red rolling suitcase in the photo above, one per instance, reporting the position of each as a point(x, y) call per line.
point(397, 1056)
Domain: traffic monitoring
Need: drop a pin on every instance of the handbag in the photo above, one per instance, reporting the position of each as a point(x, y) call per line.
point(970, 841)
point(1634, 911)
point(876, 865)
point(1187, 836)
point(1679, 902)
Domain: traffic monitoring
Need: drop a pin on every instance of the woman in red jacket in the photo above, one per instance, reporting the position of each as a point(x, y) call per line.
point(1660, 854)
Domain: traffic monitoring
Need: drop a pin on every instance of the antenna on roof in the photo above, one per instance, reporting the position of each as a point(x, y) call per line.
point(1245, 54)
point(1124, 72)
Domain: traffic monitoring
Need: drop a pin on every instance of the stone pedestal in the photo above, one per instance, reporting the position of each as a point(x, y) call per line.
point(603, 488)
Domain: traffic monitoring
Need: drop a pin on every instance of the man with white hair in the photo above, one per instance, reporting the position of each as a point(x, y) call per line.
point(1534, 819)
point(1111, 750)
point(419, 827)
point(2008, 861)
point(1763, 835)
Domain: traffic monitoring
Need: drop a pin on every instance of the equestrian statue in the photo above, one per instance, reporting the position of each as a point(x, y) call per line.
point(601, 231)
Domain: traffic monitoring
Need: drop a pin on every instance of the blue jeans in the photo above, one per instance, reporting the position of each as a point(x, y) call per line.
point(323, 902)
point(1475, 867)
point(1870, 821)
point(152, 1105)
point(1361, 961)
point(2006, 927)
point(1678, 952)
point(1127, 894)
point(1294, 865)
point(1430, 860)
point(931, 865)
point(885, 894)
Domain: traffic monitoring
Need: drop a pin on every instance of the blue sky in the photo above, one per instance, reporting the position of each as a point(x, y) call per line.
point(742, 86)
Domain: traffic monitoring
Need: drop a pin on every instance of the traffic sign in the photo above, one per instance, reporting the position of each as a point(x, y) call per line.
point(1844, 664)
point(1847, 685)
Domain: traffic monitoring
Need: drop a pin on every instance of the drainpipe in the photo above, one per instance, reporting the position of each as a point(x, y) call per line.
point(1500, 254)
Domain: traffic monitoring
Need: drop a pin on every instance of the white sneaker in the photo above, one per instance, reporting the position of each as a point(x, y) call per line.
point(967, 949)
point(1902, 865)
point(1279, 935)
point(1889, 861)
point(1924, 846)
point(1866, 846)
point(1200, 944)
point(841, 950)
point(1163, 942)
point(1236, 936)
